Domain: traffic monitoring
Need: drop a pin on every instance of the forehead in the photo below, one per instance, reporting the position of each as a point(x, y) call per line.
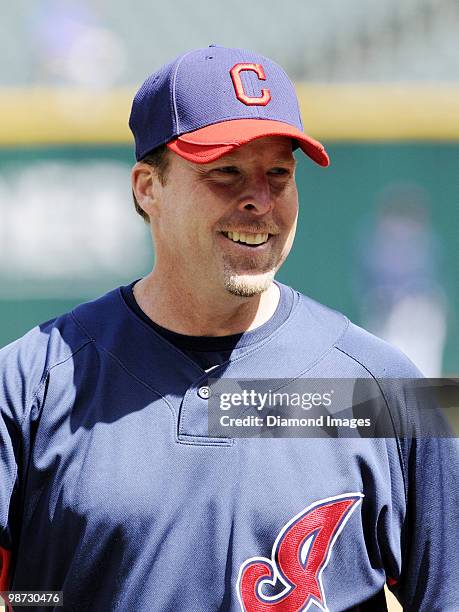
point(270, 148)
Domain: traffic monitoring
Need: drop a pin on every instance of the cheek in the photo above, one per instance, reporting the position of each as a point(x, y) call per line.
point(290, 220)
point(293, 215)
point(171, 231)
point(184, 234)
point(288, 211)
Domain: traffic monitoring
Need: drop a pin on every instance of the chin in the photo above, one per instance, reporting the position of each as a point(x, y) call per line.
point(248, 285)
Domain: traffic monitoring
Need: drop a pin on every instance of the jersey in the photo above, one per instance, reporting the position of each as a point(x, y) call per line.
point(113, 492)
point(209, 351)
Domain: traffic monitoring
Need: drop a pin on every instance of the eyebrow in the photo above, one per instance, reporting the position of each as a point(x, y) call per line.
point(230, 160)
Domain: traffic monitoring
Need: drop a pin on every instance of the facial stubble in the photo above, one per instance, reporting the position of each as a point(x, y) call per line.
point(249, 284)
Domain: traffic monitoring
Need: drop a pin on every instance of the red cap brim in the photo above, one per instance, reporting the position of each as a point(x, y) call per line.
point(213, 141)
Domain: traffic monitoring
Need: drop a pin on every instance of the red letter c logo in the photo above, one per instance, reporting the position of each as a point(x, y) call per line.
point(239, 88)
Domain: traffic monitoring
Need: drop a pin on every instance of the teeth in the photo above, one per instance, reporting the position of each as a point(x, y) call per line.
point(260, 238)
point(247, 238)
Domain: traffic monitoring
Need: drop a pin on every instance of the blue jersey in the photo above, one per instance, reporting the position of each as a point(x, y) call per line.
point(112, 491)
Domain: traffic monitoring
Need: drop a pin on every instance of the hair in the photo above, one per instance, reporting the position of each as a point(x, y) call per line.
point(159, 160)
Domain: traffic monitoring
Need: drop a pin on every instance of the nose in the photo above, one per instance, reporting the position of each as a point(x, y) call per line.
point(257, 197)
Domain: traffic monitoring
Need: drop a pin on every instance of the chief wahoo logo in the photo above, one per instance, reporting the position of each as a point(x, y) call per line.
point(300, 553)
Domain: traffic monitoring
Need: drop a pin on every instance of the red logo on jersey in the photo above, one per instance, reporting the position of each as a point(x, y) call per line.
point(300, 553)
point(239, 87)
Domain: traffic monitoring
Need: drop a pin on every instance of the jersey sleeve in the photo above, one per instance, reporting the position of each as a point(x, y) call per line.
point(430, 535)
point(428, 519)
point(21, 372)
point(10, 444)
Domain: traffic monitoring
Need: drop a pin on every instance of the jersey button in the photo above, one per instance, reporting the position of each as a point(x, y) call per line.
point(204, 392)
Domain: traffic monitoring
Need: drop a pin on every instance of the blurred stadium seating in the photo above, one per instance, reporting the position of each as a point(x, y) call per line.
point(327, 41)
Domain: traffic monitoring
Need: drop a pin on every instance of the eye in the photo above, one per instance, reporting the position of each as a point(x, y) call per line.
point(279, 171)
point(227, 170)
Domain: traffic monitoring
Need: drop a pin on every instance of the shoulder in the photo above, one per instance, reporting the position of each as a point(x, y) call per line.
point(26, 362)
point(353, 343)
point(379, 358)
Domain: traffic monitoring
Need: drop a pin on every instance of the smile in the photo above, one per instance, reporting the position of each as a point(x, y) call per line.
point(246, 238)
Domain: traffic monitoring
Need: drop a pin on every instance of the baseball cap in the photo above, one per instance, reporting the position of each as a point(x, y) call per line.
point(209, 101)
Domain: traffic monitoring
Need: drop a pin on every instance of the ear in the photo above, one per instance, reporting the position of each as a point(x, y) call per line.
point(146, 187)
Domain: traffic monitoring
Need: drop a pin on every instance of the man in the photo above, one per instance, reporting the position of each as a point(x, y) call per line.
point(114, 488)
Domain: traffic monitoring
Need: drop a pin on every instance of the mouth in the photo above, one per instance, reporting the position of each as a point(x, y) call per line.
point(248, 239)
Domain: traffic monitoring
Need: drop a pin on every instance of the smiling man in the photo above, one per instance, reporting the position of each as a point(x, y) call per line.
point(114, 487)
point(234, 219)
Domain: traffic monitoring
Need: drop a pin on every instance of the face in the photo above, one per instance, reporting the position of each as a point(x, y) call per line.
point(228, 224)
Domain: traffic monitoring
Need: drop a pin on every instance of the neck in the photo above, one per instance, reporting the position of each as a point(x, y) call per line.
point(187, 311)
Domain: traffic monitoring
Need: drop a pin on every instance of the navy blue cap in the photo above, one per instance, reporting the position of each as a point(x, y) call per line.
point(208, 101)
